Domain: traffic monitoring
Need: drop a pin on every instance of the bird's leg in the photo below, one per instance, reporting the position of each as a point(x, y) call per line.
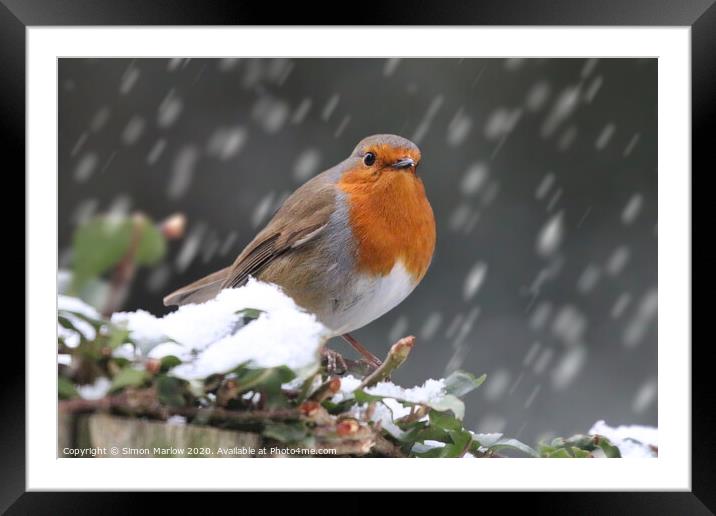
point(370, 357)
point(335, 364)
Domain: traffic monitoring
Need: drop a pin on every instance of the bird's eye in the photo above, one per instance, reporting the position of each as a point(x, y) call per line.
point(369, 159)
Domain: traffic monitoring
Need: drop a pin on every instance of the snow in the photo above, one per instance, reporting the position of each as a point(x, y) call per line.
point(307, 164)
point(64, 277)
point(474, 179)
point(211, 338)
point(183, 171)
point(124, 351)
point(430, 391)
point(176, 420)
point(70, 337)
point(474, 280)
point(73, 304)
point(95, 391)
point(633, 441)
point(391, 408)
point(170, 348)
point(551, 235)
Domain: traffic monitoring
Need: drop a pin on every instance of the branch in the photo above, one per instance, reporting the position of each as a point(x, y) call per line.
point(141, 404)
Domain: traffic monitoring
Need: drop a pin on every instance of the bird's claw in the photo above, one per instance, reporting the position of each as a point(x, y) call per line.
point(333, 362)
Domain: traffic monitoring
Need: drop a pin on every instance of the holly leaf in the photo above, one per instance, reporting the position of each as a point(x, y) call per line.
point(448, 402)
point(610, 451)
point(129, 377)
point(97, 246)
point(495, 442)
point(286, 432)
point(152, 244)
point(249, 314)
point(460, 383)
point(167, 362)
point(66, 389)
point(171, 391)
point(269, 379)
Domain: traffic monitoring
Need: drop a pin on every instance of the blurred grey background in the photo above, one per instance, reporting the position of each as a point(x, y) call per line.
point(542, 174)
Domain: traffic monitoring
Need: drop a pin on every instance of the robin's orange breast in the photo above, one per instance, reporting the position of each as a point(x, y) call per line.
point(391, 219)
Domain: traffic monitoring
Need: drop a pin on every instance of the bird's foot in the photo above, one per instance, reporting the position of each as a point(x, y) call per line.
point(369, 357)
point(360, 368)
point(333, 362)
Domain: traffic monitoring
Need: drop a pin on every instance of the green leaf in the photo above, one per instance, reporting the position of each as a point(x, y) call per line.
point(461, 439)
point(429, 433)
point(167, 362)
point(102, 242)
point(117, 337)
point(363, 397)
point(128, 377)
point(578, 453)
point(495, 442)
point(459, 383)
point(68, 315)
point(65, 322)
point(285, 432)
point(610, 451)
point(249, 314)
point(337, 408)
point(559, 453)
point(447, 402)
point(451, 403)
point(580, 445)
point(152, 245)
point(65, 388)
point(121, 362)
point(433, 453)
point(268, 380)
point(456, 446)
point(274, 400)
point(171, 391)
point(487, 440)
point(97, 246)
point(95, 292)
point(444, 420)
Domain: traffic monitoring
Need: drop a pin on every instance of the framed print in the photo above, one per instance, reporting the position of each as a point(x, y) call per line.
point(402, 247)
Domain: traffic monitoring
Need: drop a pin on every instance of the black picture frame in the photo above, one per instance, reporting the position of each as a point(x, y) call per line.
point(700, 15)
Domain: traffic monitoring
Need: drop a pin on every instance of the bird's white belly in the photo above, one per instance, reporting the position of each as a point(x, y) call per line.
point(369, 298)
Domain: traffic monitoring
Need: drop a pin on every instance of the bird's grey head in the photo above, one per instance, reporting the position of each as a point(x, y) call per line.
point(387, 151)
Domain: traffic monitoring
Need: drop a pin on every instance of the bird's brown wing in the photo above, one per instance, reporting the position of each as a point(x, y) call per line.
point(199, 291)
point(301, 218)
point(268, 250)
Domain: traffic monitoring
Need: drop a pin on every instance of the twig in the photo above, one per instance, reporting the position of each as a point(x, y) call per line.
point(327, 389)
point(396, 356)
point(386, 448)
point(416, 413)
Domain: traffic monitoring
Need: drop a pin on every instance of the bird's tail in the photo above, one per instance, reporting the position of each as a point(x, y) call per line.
point(201, 290)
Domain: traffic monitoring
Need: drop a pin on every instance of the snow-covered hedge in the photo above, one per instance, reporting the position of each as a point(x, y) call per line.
point(252, 359)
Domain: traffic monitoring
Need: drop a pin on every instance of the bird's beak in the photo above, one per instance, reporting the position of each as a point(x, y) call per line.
point(404, 163)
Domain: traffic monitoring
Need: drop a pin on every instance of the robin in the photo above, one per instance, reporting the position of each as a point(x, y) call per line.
point(348, 245)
